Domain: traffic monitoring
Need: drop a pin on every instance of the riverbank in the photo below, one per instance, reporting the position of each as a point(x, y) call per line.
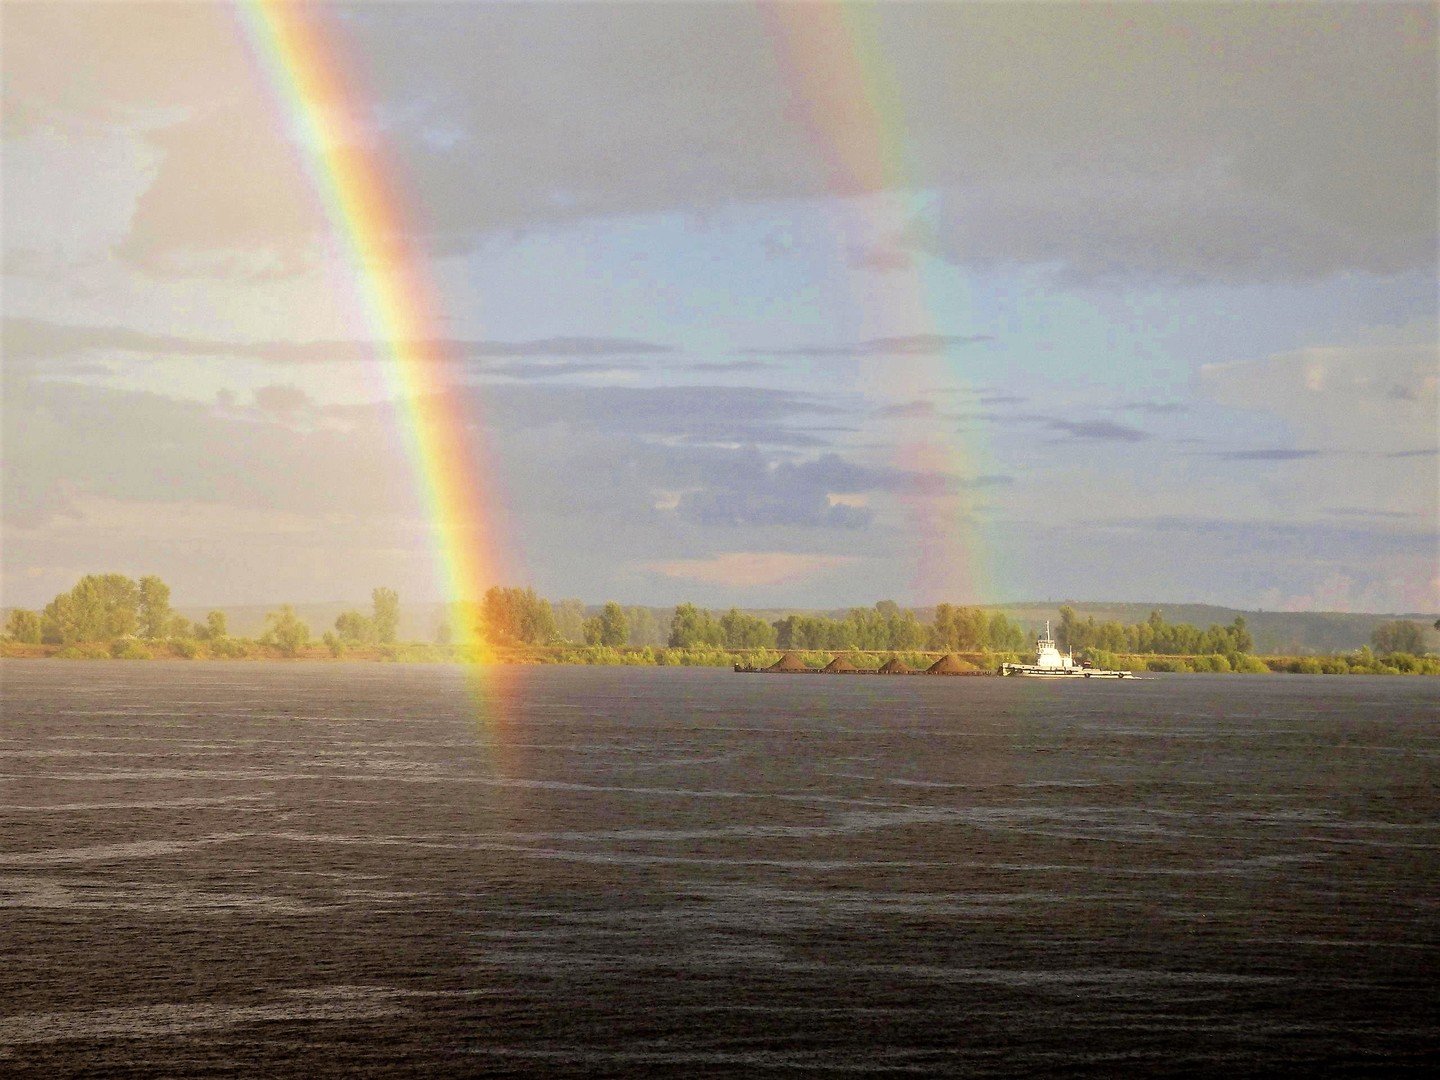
point(242, 649)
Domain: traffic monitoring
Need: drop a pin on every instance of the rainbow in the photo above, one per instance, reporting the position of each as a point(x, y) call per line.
point(833, 72)
point(444, 435)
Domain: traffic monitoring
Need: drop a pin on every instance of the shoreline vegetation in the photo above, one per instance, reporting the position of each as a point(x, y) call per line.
point(111, 617)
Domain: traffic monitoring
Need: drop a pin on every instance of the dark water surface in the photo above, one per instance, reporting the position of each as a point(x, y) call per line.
point(272, 869)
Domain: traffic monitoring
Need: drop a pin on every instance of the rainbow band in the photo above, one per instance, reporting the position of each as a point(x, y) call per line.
point(836, 76)
point(365, 212)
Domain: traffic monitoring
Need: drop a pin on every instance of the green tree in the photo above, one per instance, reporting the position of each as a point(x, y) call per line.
point(387, 615)
point(570, 620)
point(742, 631)
point(516, 617)
point(353, 628)
point(180, 627)
point(692, 627)
point(215, 626)
point(285, 630)
point(24, 626)
point(614, 626)
point(101, 607)
point(1398, 636)
point(154, 608)
point(644, 627)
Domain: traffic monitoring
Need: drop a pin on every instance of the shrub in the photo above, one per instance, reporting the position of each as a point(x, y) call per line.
point(1213, 663)
point(229, 648)
point(1307, 665)
point(184, 648)
point(83, 652)
point(129, 649)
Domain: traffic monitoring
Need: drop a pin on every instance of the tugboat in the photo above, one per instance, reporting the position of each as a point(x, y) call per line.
point(1049, 664)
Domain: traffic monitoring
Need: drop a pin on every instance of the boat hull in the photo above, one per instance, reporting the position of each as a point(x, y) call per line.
point(1027, 671)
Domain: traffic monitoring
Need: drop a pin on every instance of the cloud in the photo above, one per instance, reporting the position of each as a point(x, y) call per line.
point(909, 345)
point(561, 370)
point(909, 410)
point(727, 366)
point(752, 492)
point(37, 339)
point(744, 569)
point(1098, 430)
point(1338, 397)
point(1267, 454)
point(1210, 223)
point(1364, 512)
point(1181, 142)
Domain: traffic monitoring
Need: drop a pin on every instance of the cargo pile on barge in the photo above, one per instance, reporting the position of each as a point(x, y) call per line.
point(791, 664)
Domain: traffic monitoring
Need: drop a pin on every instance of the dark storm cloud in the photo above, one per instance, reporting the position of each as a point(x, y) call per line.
point(748, 491)
point(1173, 142)
point(1362, 512)
point(907, 410)
point(39, 340)
point(1098, 430)
point(1159, 408)
point(721, 367)
point(695, 414)
point(533, 371)
point(911, 345)
point(1267, 454)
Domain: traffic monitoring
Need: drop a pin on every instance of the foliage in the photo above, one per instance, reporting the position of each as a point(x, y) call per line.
point(285, 631)
point(516, 617)
point(645, 628)
point(610, 628)
point(692, 627)
point(101, 607)
point(387, 615)
point(90, 651)
point(967, 629)
point(1398, 636)
point(228, 648)
point(129, 649)
point(353, 628)
point(569, 616)
point(24, 626)
point(1153, 636)
point(215, 626)
point(883, 627)
point(741, 631)
point(154, 607)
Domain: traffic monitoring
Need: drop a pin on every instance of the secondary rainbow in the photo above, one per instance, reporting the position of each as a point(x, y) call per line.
point(833, 70)
point(325, 108)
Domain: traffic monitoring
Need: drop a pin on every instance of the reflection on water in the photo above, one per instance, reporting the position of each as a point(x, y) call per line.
point(311, 869)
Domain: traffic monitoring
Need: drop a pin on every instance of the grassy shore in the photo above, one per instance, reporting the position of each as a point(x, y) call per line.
point(1359, 663)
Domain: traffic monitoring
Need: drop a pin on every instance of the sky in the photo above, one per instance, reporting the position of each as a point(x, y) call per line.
point(774, 307)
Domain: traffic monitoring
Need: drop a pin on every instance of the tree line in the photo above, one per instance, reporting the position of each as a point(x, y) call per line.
point(513, 617)
point(1154, 636)
point(107, 608)
point(112, 608)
